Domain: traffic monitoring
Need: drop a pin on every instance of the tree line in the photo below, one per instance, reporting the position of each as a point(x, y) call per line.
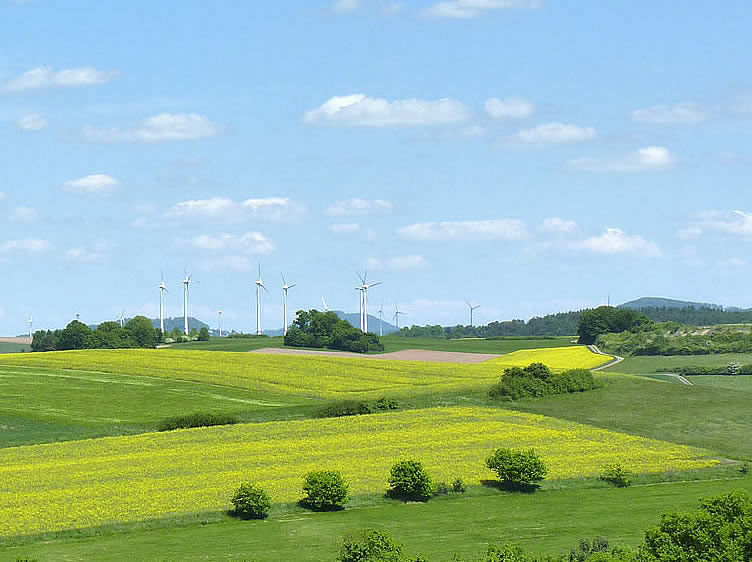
point(312, 328)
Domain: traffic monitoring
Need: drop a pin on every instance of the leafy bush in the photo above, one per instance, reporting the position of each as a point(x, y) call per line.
point(408, 480)
point(459, 486)
point(441, 489)
point(517, 469)
point(344, 408)
point(616, 475)
point(586, 548)
point(200, 419)
point(372, 545)
point(325, 490)
point(251, 502)
point(537, 380)
point(326, 329)
point(384, 403)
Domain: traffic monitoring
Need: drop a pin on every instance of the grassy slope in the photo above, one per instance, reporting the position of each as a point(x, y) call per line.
point(711, 417)
point(743, 383)
point(42, 405)
point(550, 522)
point(6, 347)
point(642, 365)
point(393, 343)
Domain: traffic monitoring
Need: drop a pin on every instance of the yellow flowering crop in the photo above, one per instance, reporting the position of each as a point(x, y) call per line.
point(116, 479)
point(308, 376)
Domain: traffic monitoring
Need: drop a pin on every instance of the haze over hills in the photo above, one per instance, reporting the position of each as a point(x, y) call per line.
point(662, 302)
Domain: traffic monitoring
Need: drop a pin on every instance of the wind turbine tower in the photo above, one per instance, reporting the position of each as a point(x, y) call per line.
point(381, 319)
point(397, 313)
point(363, 288)
point(30, 322)
point(186, 283)
point(472, 309)
point(285, 287)
point(219, 313)
point(162, 289)
point(121, 318)
point(259, 285)
point(326, 308)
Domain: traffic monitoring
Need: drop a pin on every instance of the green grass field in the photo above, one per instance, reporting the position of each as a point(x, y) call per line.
point(643, 365)
point(394, 343)
point(742, 383)
point(7, 347)
point(548, 522)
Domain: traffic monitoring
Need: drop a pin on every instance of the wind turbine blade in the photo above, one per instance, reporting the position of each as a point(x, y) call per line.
point(284, 281)
point(362, 280)
point(291, 286)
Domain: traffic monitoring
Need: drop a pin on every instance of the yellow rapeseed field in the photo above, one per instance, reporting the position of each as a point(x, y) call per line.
point(117, 479)
point(308, 376)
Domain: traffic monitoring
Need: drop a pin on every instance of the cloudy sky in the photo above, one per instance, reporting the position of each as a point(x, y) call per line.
point(531, 156)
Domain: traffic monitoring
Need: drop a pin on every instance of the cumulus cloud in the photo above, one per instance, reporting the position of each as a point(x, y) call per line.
point(645, 159)
point(25, 246)
point(32, 122)
point(509, 108)
point(359, 207)
point(473, 8)
point(732, 222)
point(94, 184)
point(272, 209)
point(359, 110)
point(346, 6)
point(555, 133)
point(397, 263)
point(249, 243)
point(162, 127)
point(680, 113)
point(46, 77)
point(559, 225)
point(24, 214)
point(344, 228)
point(616, 241)
point(500, 229)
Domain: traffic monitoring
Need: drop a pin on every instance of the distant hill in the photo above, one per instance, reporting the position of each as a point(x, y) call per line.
point(177, 322)
point(354, 319)
point(660, 302)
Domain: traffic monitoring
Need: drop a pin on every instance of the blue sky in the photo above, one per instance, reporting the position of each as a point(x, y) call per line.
point(530, 156)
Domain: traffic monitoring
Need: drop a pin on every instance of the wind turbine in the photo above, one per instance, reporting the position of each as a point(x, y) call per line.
point(30, 322)
point(472, 308)
point(162, 289)
point(259, 285)
point(363, 288)
point(326, 308)
point(285, 287)
point(381, 319)
point(186, 283)
point(121, 318)
point(219, 313)
point(397, 313)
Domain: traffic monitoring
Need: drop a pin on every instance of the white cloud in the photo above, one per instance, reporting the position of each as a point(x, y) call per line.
point(32, 122)
point(509, 108)
point(94, 184)
point(680, 113)
point(397, 263)
point(272, 209)
point(616, 241)
point(474, 8)
point(645, 159)
point(556, 224)
point(45, 77)
point(25, 246)
point(359, 110)
point(249, 243)
point(83, 255)
point(344, 228)
point(24, 214)
point(359, 207)
point(346, 6)
point(735, 222)
point(158, 128)
point(555, 133)
point(500, 229)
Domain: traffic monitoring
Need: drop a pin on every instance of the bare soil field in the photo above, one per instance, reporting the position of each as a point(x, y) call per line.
point(25, 341)
point(403, 355)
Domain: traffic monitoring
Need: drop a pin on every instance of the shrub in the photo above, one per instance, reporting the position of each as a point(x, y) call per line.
point(408, 480)
point(517, 469)
point(251, 502)
point(344, 408)
point(441, 489)
point(200, 419)
point(616, 475)
point(370, 545)
point(586, 548)
point(459, 486)
point(537, 380)
point(386, 404)
point(325, 490)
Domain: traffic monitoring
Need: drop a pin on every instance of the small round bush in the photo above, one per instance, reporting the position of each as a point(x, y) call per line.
point(459, 486)
point(251, 502)
point(325, 490)
point(370, 545)
point(408, 480)
point(616, 475)
point(517, 468)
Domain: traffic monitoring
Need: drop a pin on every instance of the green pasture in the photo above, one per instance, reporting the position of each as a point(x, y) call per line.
point(547, 522)
point(741, 382)
point(8, 347)
point(648, 364)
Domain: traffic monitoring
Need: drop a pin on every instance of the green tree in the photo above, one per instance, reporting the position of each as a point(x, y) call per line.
point(408, 480)
point(109, 335)
point(517, 469)
point(325, 490)
point(74, 336)
point(370, 546)
point(251, 502)
point(203, 334)
point(142, 331)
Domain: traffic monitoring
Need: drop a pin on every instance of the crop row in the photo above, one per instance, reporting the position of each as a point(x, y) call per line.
point(117, 479)
point(309, 376)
